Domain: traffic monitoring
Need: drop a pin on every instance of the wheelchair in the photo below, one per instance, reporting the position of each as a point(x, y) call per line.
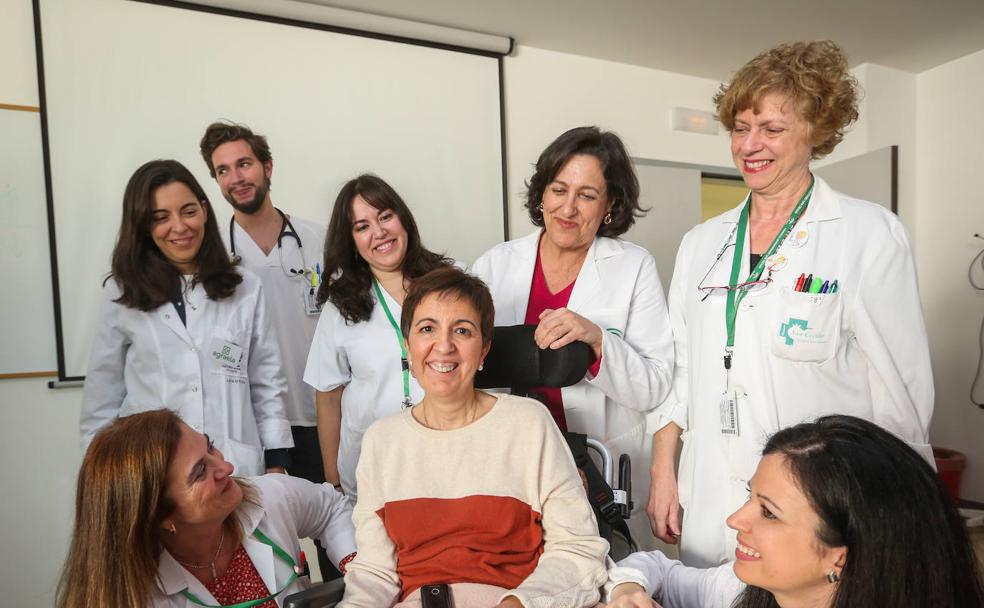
point(516, 363)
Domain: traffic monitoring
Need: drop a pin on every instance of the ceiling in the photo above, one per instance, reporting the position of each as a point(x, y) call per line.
point(711, 38)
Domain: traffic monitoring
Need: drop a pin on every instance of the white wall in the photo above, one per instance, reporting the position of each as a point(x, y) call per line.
point(549, 92)
point(39, 448)
point(950, 208)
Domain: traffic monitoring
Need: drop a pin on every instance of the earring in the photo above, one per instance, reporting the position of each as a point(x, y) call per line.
point(481, 366)
point(540, 207)
point(172, 529)
point(608, 218)
point(832, 576)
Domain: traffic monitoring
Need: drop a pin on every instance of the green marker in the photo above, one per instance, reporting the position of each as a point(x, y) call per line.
point(816, 285)
point(833, 287)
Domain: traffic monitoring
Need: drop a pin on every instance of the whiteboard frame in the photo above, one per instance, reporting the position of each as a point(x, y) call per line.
point(63, 378)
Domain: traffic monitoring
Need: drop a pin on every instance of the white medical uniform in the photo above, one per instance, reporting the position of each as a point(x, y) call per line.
point(288, 508)
point(618, 288)
point(221, 373)
point(285, 296)
point(861, 351)
point(365, 359)
point(674, 585)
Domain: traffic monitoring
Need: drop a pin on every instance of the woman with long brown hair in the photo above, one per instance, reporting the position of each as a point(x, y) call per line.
point(357, 361)
point(181, 327)
point(160, 521)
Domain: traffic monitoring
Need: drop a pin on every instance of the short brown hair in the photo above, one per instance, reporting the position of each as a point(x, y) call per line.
point(616, 164)
point(812, 75)
point(222, 132)
point(452, 283)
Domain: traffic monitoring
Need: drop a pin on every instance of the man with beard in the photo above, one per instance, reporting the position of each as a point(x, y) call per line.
point(285, 251)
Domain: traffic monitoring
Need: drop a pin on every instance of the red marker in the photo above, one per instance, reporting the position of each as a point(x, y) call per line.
point(806, 283)
point(799, 282)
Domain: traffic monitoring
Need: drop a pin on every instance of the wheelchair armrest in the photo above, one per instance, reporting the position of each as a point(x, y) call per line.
point(324, 595)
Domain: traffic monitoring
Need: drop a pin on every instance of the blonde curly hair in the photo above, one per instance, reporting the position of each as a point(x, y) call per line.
point(813, 75)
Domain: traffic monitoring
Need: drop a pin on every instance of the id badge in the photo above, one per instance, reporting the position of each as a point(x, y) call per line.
point(228, 356)
point(729, 413)
point(311, 302)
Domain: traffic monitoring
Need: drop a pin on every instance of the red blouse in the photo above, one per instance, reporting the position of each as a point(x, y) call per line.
point(542, 299)
point(240, 583)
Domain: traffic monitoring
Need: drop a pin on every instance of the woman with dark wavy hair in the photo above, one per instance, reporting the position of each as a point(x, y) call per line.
point(840, 513)
point(357, 363)
point(799, 302)
point(181, 327)
point(577, 279)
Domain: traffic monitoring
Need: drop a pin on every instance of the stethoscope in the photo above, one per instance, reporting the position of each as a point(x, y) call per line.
point(286, 230)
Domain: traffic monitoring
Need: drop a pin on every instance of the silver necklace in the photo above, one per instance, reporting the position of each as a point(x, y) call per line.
point(211, 564)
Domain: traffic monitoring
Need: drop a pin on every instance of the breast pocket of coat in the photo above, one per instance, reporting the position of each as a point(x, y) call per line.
point(228, 356)
point(807, 329)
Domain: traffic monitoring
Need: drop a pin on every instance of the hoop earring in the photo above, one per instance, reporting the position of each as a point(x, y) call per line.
point(540, 207)
point(832, 576)
point(608, 218)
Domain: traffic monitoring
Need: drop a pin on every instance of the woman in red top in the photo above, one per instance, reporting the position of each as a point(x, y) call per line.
point(161, 522)
point(575, 279)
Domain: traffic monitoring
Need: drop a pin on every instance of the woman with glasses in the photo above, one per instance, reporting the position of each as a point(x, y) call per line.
point(799, 296)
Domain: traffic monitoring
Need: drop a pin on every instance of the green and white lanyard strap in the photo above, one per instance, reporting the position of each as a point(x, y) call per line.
point(283, 555)
point(404, 363)
point(736, 295)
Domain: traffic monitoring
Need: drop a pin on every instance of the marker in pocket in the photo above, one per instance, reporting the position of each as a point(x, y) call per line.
point(807, 283)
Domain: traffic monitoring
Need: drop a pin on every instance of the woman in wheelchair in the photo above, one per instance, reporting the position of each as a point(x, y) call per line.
point(464, 488)
point(840, 513)
point(160, 521)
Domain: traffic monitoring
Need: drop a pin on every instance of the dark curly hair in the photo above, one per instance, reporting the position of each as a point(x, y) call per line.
point(347, 279)
point(813, 75)
point(620, 178)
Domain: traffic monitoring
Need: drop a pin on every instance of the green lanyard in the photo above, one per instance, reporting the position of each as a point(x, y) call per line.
point(279, 553)
point(404, 364)
point(735, 296)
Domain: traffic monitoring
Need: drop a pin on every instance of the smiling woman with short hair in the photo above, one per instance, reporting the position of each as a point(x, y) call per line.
point(801, 301)
point(465, 488)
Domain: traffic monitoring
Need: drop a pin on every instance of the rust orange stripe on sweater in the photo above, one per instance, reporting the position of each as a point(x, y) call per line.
point(496, 540)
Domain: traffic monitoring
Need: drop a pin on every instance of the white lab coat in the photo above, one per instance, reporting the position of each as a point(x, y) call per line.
point(288, 508)
point(618, 288)
point(365, 359)
point(285, 295)
point(865, 352)
point(674, 585)
point(144, 361)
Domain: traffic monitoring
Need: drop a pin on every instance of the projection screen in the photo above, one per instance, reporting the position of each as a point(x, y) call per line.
point(128, 81)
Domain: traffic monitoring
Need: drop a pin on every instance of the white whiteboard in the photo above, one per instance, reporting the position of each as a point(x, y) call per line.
point(128, 82)
point(27, 322)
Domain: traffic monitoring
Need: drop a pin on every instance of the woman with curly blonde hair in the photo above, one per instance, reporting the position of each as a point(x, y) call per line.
point(799, 296)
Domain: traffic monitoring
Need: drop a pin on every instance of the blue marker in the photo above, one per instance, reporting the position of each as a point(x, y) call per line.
point(826, 286)
point(318, 269)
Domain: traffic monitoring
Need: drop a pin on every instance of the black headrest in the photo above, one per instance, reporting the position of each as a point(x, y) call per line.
point(515, 361)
